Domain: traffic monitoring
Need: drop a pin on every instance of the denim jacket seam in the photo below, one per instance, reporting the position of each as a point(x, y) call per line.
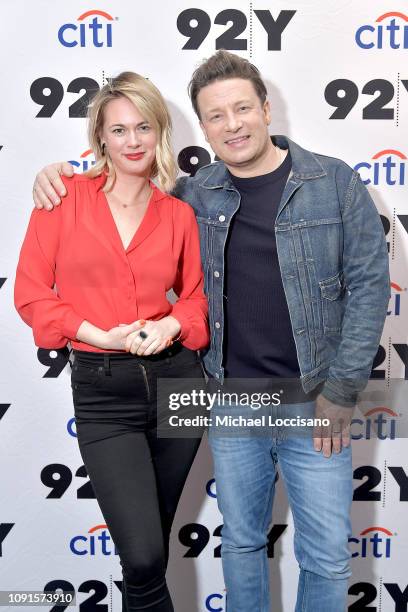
point(350, 191)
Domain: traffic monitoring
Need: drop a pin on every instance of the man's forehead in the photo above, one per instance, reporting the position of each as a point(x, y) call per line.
point(227, 90)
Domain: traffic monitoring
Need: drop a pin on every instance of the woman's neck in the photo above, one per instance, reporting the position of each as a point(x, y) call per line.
point(130, 189)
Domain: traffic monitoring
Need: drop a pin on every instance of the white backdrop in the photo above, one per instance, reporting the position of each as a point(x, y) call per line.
point(49, 524)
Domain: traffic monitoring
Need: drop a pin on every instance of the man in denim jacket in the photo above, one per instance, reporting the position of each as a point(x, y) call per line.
point(296, 273)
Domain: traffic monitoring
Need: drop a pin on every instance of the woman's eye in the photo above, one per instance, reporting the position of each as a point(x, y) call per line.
point(118, 131)
point(145, 128)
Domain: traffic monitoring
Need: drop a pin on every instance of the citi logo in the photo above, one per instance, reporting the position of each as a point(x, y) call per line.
point(94, 543)
point(93, 28)
point(386, 167)
point(379, 423)
point(389, 31)
point(211, 489)
point(214, 602)
point(395, 300)
point(71, 426)
point(85, 161)
point(372, 542)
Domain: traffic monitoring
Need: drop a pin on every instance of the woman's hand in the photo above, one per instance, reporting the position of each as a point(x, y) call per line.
point(116, 338)
point(156, 336)
point(112, 340)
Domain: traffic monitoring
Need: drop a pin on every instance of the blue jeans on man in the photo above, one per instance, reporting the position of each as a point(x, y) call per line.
point(320, 495)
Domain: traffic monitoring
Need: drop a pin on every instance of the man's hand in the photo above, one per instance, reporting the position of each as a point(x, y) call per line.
point(154, 337)
point(48, 187)
point(336, 435)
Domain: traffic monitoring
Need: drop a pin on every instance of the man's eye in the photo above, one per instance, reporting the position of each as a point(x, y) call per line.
point(243, 108)
point(215, 117)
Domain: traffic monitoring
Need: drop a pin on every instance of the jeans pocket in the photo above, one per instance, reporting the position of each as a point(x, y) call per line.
point(83, 376)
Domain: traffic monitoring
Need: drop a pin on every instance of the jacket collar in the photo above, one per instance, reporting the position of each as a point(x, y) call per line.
point(305, 166)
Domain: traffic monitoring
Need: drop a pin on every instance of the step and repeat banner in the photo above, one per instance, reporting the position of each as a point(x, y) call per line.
point(337, 78)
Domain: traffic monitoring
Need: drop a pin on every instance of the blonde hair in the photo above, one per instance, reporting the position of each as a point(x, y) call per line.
point(150, 103)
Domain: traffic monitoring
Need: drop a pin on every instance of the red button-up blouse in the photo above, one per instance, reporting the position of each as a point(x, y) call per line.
point(73, 267)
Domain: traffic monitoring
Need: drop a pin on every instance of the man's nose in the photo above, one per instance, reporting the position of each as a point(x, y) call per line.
point(233, 122)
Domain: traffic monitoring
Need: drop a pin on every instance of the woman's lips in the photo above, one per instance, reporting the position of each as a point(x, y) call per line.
point(134, 156)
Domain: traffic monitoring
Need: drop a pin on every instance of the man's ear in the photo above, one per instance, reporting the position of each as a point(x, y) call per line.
point(267, 111)
point(203, 131)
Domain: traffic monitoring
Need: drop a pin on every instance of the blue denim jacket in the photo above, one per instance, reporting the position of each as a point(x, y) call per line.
point(333, 259)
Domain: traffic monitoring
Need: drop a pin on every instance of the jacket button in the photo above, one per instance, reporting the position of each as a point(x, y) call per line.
point(216, 274)
point(217, 325)
point(221, 218)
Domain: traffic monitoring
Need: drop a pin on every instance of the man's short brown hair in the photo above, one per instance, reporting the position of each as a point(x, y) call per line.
point(224, 65)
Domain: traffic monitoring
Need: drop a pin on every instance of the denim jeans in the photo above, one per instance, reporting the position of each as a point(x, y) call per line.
point(137, 476)
point(320, 494)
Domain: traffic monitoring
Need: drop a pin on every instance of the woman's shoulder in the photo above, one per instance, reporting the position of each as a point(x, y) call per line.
point(179, 208)
point(80, 189)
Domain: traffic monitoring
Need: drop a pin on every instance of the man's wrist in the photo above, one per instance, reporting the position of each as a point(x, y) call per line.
point(339, 394)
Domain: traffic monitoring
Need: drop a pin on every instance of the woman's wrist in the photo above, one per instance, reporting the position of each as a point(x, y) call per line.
point(175, 327)
point(90, 334)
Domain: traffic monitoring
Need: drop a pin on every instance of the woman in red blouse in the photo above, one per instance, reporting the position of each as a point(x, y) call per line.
point(96, 272)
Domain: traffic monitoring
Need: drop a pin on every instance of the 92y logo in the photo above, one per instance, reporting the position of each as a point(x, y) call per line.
point(5, 528)
point(394, 597)
point(195, 538)
point(54, 359)
point(343, 94)
point(58, 477)
point(372, 489)
point(91, 595)
point(48, 93)
point(195, 24)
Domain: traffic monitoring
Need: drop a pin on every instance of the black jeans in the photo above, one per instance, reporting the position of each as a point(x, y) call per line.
point(137, 477)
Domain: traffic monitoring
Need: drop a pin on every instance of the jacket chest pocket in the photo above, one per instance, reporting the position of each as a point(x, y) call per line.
point(332, 291)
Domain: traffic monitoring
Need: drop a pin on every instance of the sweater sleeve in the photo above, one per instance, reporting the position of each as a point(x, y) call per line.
point(191, 308)
point(54, 321)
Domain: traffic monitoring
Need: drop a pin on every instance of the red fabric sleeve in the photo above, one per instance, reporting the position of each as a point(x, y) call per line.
point(54, 322)
point(191, 308)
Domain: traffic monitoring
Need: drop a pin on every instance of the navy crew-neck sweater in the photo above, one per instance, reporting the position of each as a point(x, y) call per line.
point(258, 334)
